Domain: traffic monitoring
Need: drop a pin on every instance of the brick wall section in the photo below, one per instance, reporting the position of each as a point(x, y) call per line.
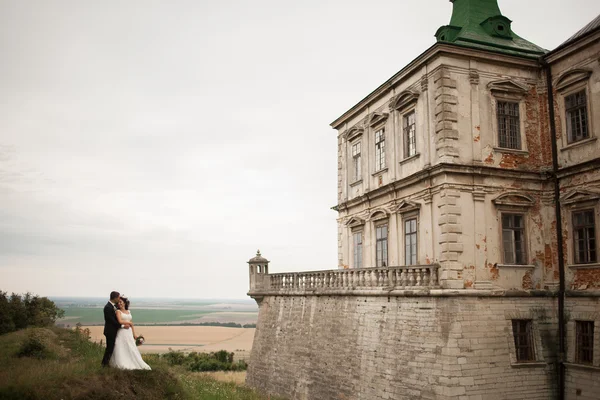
point(446, 115)
point(439, 348)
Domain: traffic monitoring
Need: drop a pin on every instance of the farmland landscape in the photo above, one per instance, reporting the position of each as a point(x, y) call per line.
point(168, 324)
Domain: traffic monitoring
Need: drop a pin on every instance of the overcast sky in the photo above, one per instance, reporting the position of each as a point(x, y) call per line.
point(152, 147)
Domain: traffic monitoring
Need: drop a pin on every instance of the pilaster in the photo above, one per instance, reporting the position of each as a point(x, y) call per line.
point(446, 116)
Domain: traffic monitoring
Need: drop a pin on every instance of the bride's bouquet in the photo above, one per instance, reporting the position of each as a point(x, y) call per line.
point(139, 340)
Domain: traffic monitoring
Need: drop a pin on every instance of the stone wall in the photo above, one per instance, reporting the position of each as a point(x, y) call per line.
point(430, 347)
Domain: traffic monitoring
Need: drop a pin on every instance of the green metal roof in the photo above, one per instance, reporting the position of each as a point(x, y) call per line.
point(480, 24)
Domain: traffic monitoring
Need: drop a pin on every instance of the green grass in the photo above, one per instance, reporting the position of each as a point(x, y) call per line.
point(90, 315)
point(70, 369)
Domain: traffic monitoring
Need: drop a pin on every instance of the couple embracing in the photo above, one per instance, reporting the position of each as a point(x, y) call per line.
point(121, 350)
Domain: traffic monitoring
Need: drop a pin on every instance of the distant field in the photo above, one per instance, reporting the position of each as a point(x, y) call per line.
point(159, 339)
point(142, 316)
point(94, 315)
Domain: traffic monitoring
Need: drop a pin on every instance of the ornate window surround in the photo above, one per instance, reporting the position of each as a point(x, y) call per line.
point(578, 200)
point(514, 203)
point(407, 209)
point(403, 104)
point(353, 135)
point(570, 82)
point(377, 121)
point(511, 91)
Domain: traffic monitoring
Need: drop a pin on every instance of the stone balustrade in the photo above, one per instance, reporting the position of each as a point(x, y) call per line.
point(387, 278)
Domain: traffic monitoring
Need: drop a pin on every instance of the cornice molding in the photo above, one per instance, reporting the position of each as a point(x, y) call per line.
point(415, 66)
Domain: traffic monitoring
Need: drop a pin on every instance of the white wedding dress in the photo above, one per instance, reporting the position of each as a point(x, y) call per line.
point(126, 355)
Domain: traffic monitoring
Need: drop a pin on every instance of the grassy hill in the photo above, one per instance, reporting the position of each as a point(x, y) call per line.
point(54, 363)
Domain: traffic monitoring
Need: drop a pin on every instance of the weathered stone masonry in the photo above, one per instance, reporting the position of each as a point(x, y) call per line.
point(440, 319)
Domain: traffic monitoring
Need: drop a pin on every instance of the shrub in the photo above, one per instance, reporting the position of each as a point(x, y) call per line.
point(175, 358)
point(37, 345)
point(224, 356)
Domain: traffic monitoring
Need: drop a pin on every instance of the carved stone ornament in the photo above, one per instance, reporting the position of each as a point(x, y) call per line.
point(406, 206)
point(508, 86)
point(403, 100)
point(474, 77)
point(379, 214)
point(580, 196)
point(354, 132)
point(354, 222)
point(571, 77)
point(514, 199)
point(376, 118)
point(424, 83)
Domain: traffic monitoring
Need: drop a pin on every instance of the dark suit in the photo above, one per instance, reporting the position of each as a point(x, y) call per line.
point(111, 327)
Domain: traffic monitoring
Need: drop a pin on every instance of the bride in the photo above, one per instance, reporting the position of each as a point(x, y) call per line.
point(126, 355)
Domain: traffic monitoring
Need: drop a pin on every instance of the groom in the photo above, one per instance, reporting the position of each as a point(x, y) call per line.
point(111, 326)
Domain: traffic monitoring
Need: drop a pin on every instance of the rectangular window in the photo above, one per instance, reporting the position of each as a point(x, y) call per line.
point(577, 119)
point(410, 135)
point(523, 335)
point(356, 162)
point(410, 241)
point(513, 239)
point(381, 235)
point(584, 346)
point(380, 149)
point(509, 136)
point(584, 237)
point(357, 238)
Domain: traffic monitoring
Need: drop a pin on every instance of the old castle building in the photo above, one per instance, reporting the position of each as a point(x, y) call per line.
point(469, 209)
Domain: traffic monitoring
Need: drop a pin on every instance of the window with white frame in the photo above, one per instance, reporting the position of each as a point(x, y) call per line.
point(410, 134)
point(513, 238)
point(381, 247)
point(356, 162)
point(410, 241)
point(584, 237)
point(576, 117)
point(357, 239)
point(380, 149)
point(509, 135)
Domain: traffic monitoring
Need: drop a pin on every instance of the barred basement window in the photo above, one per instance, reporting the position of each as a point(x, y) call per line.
point(410, 135)
point(584, 346)
point(577, 119)
point(356, 162)
point(584, 237)
point(380, 149)
point(357, 236)
point(508, 125)
point(410, 241)
point(381, 235)
point(523, 335)
point(513, 239)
